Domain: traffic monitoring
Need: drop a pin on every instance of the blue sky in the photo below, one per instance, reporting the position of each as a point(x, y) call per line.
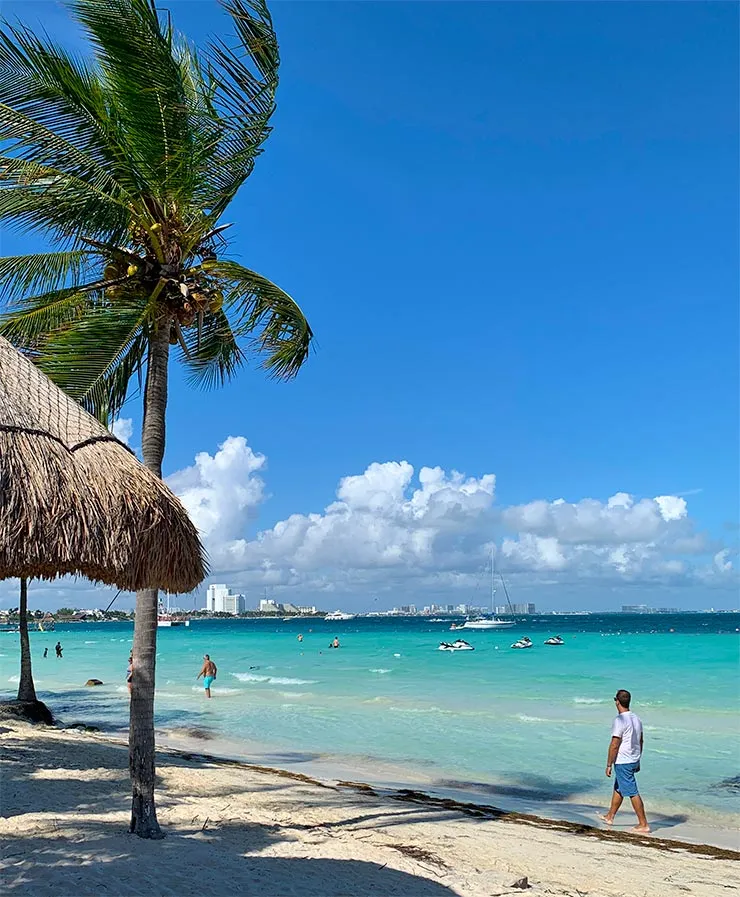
point(514, 228)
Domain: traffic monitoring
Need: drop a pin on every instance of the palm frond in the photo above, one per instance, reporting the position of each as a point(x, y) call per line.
point(42, 272)
point(53, 111)
point(32, 319)
point(39, 197)
point(144, 81)
point(82, 357)
point(244, 82)
point(213, 354)
point(259, 309)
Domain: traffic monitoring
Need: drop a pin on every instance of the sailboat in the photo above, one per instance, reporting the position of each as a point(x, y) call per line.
point(492, 622)
point(165, 619)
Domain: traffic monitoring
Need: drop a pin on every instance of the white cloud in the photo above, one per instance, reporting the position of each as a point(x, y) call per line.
point(721, 562)
point(621, 519)
point(222, 492)
point(390, 529)
point(408, 536)
point(123, 429)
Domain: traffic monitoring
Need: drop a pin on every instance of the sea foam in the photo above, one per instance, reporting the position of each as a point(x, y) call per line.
point(272, 680)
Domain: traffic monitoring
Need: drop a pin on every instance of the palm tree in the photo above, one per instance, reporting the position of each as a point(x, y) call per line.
point(128, 163)
point(26, 688)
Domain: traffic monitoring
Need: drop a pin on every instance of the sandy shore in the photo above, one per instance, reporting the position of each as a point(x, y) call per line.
point(234, 829)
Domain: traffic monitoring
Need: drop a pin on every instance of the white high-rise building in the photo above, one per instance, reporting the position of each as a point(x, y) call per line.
point(221, 600)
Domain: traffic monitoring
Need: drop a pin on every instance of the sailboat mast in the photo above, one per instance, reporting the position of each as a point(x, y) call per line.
point(493, 581)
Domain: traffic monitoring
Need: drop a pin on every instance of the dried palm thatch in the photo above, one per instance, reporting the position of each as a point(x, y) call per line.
point(75, 500)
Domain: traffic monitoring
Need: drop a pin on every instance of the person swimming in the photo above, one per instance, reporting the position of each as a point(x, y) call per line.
point(335, 643)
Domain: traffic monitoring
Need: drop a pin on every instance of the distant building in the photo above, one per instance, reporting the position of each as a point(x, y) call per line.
point(516, 609)
point(644, 609)
point(221, 600)
point(268, 606)
point(306, 609)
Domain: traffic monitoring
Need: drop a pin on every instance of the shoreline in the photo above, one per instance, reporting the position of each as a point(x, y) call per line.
point(399, 782)
point(241, 828)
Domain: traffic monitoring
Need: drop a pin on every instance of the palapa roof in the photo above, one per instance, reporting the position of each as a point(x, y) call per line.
point(75, 500)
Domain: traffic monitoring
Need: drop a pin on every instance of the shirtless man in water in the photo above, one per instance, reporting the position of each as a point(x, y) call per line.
point(208, 673)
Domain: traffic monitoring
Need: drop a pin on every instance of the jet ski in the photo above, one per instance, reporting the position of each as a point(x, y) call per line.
point(554, 640)
point(458, 645)
point(525, 642)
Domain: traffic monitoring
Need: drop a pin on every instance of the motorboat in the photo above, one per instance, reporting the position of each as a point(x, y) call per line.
point(338, 615)
point(524, 642)
point(457, 645)
point(554, 640)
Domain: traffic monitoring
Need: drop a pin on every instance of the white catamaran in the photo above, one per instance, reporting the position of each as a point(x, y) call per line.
point(493, 621)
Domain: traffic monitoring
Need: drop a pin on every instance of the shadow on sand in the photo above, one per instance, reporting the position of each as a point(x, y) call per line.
point(69, 853)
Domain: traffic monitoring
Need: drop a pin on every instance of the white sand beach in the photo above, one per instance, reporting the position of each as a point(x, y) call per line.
point(234, 829)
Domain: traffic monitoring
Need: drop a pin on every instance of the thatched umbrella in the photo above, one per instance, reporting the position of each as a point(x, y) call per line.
point(75, 500)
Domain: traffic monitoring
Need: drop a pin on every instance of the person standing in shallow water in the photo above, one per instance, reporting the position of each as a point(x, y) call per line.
point(209, 673)
point(625, 752)
point(58, 649)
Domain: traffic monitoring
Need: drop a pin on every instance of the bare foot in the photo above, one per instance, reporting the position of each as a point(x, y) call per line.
point(607, 819)
point(641, 829)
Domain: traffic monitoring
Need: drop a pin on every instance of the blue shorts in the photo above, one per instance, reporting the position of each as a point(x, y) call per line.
point(624, 778)
point(207, 681)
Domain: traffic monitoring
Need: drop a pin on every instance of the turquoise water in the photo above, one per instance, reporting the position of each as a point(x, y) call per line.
point(524, 725)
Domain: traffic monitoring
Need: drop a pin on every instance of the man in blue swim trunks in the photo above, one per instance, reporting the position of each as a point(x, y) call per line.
point(208, 673)
point(625, 751)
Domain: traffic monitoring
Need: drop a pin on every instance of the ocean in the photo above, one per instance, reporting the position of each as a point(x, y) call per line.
point(526, 730)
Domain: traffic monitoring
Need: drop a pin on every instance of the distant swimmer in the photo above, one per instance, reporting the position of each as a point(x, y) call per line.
point(209, 673)
point(300, 637)
point(625, 753)
point(46, 652)
point(130, 672)
point(335, 643)
point(58, 649)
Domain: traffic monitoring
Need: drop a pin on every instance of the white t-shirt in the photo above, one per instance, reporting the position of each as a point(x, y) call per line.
point(628, 727)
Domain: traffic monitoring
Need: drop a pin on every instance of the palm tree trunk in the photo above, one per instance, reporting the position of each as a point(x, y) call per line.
point(26, 690)
point(141, 726)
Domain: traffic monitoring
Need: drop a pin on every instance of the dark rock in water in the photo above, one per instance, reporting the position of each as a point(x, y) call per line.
point(194, 732)
point(82, 727)
point(94, 682)
point(732, 785)
point(28, 711)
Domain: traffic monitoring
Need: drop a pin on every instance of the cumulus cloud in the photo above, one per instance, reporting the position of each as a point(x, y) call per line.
point(123, 429)
point(620, 519)
point(222, 491)
point(389, 527)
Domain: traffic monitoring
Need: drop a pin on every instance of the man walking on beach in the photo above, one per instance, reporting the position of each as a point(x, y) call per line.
point(208, 673)
point(625, 751)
